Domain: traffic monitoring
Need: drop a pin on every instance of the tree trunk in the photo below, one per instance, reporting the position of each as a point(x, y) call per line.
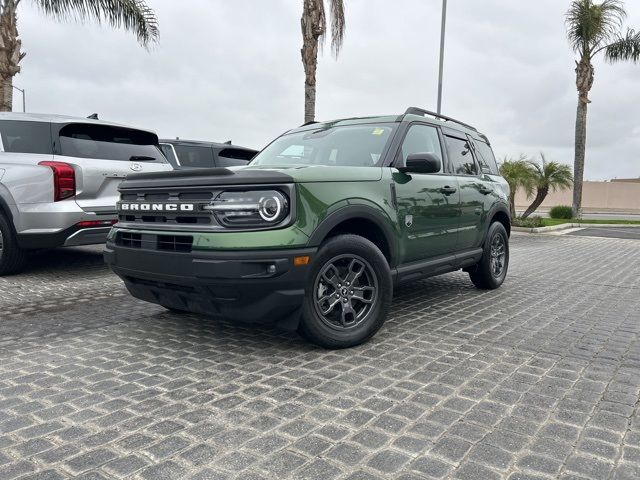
point(6, 94)
point(512, 202)
point(313, 29)
point(580, 153)
point(10, 53)
point(541, 194)
point(584, 82)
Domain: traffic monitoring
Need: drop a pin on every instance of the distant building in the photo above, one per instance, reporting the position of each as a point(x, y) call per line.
point(628, 180)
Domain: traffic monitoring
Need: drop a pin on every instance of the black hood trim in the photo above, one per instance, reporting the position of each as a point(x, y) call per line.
point(204, 177)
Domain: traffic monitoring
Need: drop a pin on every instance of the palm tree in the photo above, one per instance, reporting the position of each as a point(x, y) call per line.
point(314, 28)
point(595, 28)
point(132, 15)
point(518, 174)
point(548, 176)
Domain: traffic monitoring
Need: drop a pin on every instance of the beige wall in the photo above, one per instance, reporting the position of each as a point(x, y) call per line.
point(622, 197)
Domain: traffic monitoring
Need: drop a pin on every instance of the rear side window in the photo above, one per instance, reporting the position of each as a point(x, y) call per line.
point(461, 157)
point(230, 157)
point(486, 157)
point(26, 137)
point(103, 142)
point(194, 156)
point(168, 152)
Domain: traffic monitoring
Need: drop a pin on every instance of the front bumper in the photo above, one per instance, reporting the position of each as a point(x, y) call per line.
point(252, 286)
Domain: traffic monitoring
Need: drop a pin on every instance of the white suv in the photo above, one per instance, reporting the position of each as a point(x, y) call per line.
point(59, 180)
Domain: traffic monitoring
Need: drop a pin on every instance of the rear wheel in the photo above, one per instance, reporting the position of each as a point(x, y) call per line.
point(12, 257)
point(348, 293)
point(491, 271)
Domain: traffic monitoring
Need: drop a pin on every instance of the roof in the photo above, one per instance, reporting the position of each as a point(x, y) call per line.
point(412, 114)
point(59, 119)
point(219, 145)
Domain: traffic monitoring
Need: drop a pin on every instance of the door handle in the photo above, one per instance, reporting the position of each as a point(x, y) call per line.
point(485, 190)
point(448, 190)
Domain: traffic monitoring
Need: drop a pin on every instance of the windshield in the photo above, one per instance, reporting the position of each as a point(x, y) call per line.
point(344, 146)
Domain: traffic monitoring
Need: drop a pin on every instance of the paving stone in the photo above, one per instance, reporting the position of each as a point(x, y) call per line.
point(537, 379)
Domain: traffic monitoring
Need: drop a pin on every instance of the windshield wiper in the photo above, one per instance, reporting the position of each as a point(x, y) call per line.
point(141, 158)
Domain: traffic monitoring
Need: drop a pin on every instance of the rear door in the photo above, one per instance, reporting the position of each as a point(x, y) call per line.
point(102, 156)
point(473, 191)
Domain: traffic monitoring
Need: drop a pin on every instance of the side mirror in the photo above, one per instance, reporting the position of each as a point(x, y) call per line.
point(422, 163)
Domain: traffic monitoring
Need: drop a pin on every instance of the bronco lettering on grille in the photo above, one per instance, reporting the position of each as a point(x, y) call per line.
point(156, 207)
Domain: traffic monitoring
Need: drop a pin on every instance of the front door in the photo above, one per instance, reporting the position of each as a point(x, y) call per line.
point(427, 204)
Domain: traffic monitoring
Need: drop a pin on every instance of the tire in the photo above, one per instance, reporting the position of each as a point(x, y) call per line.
point(12, 257)
point(491, 271)
point(355, 270)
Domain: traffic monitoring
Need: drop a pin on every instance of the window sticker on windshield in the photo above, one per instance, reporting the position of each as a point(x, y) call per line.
point(377, 131)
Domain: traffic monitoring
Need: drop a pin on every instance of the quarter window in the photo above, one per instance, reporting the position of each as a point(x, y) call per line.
point(193, 156)
point(461, 157)
point(26, 137)
point(421, 139)
point(486, 157)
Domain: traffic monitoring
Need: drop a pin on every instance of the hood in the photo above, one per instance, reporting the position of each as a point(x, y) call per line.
point(319, 173)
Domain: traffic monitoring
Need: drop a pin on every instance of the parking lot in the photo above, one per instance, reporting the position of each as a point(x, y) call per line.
point(539, 379)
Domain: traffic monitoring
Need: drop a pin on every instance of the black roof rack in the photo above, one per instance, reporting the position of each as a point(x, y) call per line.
point(422, 111)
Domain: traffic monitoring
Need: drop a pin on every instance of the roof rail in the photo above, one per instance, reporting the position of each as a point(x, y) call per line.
point(422, 111)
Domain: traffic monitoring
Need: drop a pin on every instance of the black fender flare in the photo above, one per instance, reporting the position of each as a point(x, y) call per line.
point(354, 212)
point(497, 208)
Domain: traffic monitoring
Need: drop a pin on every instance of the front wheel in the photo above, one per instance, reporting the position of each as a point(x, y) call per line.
point(491, 271)
point(348, 293)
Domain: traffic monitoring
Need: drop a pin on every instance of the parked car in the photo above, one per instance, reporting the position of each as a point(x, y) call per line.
point(195, 154)
point(59, 180)
point(318, 229)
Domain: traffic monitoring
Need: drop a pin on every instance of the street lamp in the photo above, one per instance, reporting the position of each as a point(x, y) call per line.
point(24, 103)
point(442, 31)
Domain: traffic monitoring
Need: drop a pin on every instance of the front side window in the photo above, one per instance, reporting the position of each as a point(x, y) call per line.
point(421, 139)
point(460, 157)
point(26, 137)
point(104, 142)
point(194, 156)
point(339, 146)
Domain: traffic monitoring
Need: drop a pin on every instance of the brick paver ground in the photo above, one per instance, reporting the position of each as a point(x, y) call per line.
point(540, 379)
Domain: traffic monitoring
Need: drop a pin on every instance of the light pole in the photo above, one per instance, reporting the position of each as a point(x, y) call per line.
point(442, 32)
point(24, 103)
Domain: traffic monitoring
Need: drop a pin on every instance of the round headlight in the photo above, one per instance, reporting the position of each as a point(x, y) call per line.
point(270, 208)
point(252, 208)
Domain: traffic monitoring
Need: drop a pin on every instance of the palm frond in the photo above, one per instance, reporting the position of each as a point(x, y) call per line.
point(133, 15)
point(338, 25)
point(624, 48)
point(590, 24)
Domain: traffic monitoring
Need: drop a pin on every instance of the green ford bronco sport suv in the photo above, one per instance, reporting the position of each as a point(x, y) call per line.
point(315, 232)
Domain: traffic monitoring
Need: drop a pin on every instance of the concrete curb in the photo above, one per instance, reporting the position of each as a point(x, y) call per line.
point(564, 226)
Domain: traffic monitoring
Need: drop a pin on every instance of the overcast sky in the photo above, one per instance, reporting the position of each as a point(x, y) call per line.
point(231, 69)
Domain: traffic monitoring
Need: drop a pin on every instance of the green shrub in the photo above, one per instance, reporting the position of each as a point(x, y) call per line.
point(561, 211)
point(530, 222)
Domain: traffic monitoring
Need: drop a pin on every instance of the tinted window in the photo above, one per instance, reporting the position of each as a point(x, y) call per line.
point(194, 156)
point(229, 157)
point(348, 146)
point(461, 157)
point(486, 158)
point(421, 139)
point(102, 142)
point(26, 137)
point(168, 152)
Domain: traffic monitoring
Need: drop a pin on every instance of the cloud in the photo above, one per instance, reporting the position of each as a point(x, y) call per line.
point(232, 70)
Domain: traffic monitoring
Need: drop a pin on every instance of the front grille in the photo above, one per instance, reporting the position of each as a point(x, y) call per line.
point(150, 241)
point(195, 217)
